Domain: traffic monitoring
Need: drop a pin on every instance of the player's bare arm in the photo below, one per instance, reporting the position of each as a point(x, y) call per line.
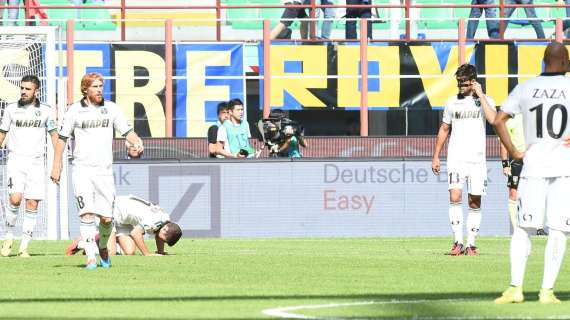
point(505, 157)
point(138, 237)
point(54, 137)
point(57, 160)
point(489, 111)
point(2, 138)
point(442, 135)
point(501, 129)
point(159, 245)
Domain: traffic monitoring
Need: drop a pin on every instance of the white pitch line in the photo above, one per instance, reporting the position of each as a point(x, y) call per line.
point(288, 312)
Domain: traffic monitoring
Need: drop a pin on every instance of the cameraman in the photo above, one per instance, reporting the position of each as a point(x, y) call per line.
point(290, 146)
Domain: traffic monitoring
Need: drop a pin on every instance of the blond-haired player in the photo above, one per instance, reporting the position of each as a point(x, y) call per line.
point(25, 124)
point(92, 122)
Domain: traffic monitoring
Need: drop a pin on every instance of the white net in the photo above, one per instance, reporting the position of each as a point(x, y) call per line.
point(25, 51)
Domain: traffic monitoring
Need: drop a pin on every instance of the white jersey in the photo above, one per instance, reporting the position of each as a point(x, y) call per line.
point(543, 102)
point(133, 211)
point(26, 127)
point(93, 130)
point(468, 138)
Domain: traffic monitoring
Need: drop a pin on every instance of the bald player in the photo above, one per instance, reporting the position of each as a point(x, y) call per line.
point(543, 102)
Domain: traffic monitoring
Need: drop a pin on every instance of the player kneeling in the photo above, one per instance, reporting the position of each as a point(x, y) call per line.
point(133, 217)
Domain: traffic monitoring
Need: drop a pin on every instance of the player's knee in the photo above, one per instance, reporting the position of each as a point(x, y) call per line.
point(474, 202)
point(106, 220)
point(87, 218)
point(32, 205)
point(15, 199)
point(513, 194)
point(455, 197)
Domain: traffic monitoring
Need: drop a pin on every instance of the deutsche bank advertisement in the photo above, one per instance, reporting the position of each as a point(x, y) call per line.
point(305, 198)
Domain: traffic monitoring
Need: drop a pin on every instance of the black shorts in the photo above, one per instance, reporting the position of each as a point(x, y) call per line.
point(293, 13)
point(514, 177)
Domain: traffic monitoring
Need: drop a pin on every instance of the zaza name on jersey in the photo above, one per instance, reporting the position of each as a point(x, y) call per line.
point(548, 93)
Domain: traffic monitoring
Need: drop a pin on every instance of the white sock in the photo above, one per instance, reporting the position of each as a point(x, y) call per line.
point(513, 210)
point(88, 231)
point(28, 228)
point(11, 218)
point(456, 220)
point(104, 233)
point(520, 249)
point(553, 256)
point(473, 224)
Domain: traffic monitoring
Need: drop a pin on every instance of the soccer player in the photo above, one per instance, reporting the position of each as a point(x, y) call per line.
point(512, 168)
point(543, 102)
point(214, 146)
point(92, 121)
point(234, 134)
point(133, 217)
point(465, 115)
point(25, 123)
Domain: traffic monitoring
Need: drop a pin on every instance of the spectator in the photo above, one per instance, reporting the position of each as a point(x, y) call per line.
point(12, 13)
point(234, 134)
point(490, 14)
point(530, 13)
point(353, 13)
point(213, 145)
point(328, 15)
point(281, 30)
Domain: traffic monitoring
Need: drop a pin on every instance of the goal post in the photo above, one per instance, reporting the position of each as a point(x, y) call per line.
point(32, 51)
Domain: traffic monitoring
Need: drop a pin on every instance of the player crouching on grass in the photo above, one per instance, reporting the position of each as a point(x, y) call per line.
point(133, 217)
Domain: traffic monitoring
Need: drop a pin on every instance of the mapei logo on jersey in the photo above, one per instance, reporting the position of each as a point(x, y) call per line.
point(99, 123)
point(192, 195)
point(467, 114)
point(28, 123)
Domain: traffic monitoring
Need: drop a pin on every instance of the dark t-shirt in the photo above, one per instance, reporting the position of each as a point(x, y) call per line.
point(213, 137)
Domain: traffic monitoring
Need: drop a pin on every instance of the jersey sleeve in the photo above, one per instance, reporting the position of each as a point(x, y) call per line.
point(446, 114)
point(51, 123)
point(222, 134)
point(512, 104)
point(213, 134)
point(120, 122)
point(68, 124)
point(6, 120)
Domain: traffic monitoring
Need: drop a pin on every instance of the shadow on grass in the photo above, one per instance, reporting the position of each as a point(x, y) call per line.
point(490, 296)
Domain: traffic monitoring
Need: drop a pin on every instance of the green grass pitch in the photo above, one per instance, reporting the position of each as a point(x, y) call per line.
point(341, 278)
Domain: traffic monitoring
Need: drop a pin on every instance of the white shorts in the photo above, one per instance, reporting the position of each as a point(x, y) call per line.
point(540, 198)
point(94, 190)
point(27, 177)
point(474, 174)
point(123, 230)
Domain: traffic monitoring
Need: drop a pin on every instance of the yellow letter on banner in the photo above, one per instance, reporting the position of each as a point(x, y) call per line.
point(127, 94)
point(197, 90)
point(8, 91)
point(438, 85)
point(82, 59)
point(530, 61)
point(496, 70)
point(348, 62)
point(314, 62)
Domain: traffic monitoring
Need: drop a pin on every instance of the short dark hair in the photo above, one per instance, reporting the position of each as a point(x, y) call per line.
point(173, 233)
point(466, 72)
point(33, 79)
point(234, 102)
point(222, 106)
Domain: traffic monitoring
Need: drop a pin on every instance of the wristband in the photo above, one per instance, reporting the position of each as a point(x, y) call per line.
point(505, 163)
